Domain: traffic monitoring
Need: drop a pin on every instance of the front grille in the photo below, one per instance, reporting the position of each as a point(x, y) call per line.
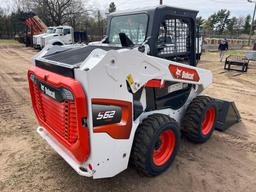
point(61, 117)
point(60, 107)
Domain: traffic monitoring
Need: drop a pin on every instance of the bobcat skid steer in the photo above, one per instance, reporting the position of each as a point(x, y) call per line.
point(128, 98)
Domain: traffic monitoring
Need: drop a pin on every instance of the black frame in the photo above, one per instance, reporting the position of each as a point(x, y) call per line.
point(236, 61)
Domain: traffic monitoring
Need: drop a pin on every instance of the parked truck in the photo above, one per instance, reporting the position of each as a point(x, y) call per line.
point(63, 35)
point(37, 39)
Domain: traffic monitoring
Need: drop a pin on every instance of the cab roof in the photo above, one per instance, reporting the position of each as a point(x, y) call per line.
point(154, 9)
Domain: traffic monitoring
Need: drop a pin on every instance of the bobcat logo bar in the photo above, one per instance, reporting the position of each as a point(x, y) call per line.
point(47, 91)
point(183, 73)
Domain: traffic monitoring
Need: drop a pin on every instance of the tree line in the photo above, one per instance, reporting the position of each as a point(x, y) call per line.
point(74, 13)
point(54, 13)
point(222, 23)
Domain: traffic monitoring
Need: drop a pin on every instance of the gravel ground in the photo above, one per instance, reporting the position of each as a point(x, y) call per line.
point(225, 163)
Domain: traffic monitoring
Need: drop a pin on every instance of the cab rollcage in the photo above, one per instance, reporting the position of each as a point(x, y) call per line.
point(180, 32)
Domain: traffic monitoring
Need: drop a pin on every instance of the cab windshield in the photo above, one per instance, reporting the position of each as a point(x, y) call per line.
point(59, 30)
point(134, 26)
point(50, 30)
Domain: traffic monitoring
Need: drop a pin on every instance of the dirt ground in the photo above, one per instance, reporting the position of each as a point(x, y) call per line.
point(226, 163)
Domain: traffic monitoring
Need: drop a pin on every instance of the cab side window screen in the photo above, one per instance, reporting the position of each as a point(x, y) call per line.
point(174, 38)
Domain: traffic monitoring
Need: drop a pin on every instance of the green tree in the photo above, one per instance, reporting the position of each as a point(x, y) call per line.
point(112, 7)
point(222, 20)
point(200, 21)
point(247, 25)
point(218, 21)
point(231, 26)
point(210, 23)
point(1, 22)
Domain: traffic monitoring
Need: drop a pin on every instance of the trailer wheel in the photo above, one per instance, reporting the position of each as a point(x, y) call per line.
point(155, 145)
point(200, 119)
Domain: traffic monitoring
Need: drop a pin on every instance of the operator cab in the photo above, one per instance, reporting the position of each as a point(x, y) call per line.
point(170, 32)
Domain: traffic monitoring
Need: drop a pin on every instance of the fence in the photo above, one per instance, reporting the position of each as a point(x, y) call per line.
point(211, 44)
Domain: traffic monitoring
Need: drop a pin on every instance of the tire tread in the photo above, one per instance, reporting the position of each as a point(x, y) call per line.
point(191, 123)
point(144, 135)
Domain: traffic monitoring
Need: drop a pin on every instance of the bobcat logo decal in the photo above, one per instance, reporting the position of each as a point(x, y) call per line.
point(183, 73)
point(178, 72)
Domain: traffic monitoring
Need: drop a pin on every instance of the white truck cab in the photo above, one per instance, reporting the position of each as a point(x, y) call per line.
point(37, 39)
point(63, 35)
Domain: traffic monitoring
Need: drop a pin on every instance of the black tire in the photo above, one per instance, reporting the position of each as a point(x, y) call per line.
point(193, 125)
point(57, 43)
point(147, 141)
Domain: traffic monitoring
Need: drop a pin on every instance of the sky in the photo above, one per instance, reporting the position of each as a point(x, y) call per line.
point(205, 7)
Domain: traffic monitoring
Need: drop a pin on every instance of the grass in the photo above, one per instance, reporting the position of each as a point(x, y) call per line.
point(8, 42)
point(236, 52)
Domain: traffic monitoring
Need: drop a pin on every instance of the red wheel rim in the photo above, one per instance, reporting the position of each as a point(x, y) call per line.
point(207, 124)
point(164, 148)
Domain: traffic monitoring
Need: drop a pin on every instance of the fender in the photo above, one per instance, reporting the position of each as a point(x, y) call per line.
point(57, 40)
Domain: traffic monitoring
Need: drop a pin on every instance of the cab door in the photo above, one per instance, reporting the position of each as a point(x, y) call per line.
point(67, 36)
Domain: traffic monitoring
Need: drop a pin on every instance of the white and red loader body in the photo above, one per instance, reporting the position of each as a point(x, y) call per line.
point(101, 79)
point(124, 100)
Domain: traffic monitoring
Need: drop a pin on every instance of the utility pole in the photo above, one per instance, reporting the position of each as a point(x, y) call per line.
point(251, 30)
point(161, 2)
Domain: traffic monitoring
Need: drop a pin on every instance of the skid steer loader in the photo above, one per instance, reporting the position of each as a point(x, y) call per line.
point(128, 98)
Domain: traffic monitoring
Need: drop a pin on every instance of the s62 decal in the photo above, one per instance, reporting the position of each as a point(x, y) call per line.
point(106, 114)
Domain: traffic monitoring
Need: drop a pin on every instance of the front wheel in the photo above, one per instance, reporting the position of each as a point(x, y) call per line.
point(57, 43)
point(199, 120)
point(155, 145)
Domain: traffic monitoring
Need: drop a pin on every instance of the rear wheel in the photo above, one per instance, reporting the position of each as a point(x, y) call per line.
point(57, 43)
point(155, 145)
point(199, 120)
